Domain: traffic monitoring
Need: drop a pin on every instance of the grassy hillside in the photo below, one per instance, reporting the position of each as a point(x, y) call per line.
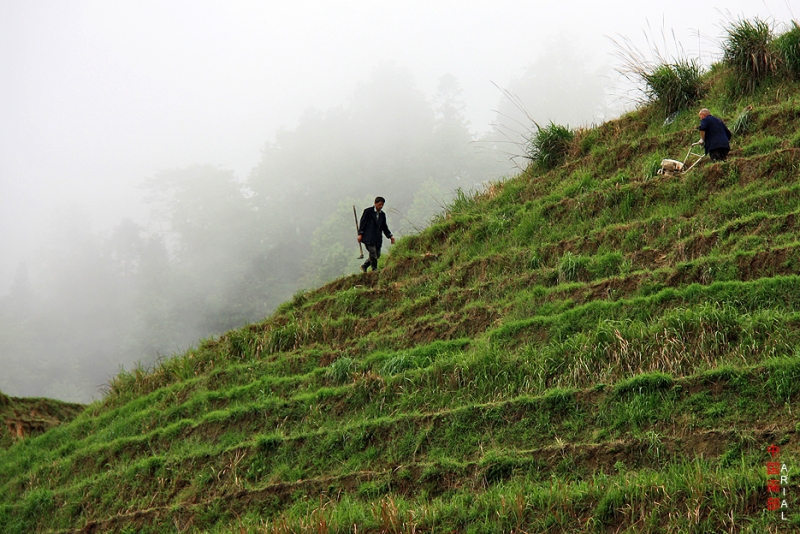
point(588, 349)
point(24, 418)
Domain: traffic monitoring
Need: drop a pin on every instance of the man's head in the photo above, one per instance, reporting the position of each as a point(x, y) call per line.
point(379, 202)
point(703, 113)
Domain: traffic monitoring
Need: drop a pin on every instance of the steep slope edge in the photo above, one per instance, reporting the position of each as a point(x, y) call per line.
point(24, 418)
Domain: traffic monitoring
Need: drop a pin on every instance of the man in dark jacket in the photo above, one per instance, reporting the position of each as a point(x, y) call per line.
point(714, 135)
point(372, 224)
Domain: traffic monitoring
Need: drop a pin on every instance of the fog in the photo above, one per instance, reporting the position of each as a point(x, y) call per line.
point(170, 170)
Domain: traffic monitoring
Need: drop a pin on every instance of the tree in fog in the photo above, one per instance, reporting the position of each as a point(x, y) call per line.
point(333, 246)
point(220, 276)
point(220, 252)
point(80, 310)
point(389, 140)
point(17, 331)
point(457, 162)
point(569, 91)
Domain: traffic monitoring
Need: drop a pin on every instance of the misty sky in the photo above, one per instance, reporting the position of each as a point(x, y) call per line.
point(96, 96)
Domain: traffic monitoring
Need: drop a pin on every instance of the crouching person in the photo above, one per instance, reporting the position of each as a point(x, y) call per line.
point(714, 136)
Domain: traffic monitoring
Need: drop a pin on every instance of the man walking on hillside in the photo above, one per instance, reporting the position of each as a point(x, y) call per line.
point(714, 135)
point(372, 224)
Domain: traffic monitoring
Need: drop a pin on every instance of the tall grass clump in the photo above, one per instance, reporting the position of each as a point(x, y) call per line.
point(672, 82)
point(747, 49)
point(341, 370)
point(787, 48)
point(572, 268)
point(674, 86)
point(743, 122)
point(548, 147)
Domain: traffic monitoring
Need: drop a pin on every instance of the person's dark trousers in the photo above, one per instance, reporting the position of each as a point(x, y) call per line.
point(372, 261)
point(718, 154)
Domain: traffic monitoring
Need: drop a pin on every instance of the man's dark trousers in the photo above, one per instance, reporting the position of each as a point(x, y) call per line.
point(372, 261)
point(718, 154)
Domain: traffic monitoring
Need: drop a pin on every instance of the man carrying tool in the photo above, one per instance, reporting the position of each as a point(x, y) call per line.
point(714, 136)
point(372, 224)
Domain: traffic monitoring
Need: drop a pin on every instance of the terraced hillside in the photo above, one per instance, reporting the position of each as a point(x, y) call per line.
point(23, 418)
point(588, 349)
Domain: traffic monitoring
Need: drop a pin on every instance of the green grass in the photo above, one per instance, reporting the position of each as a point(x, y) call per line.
point(23, 418)
point(583, 347)
point(674, 86)
point(748, 49)
point(548, 146)
point(762, 145)
point(787, 47)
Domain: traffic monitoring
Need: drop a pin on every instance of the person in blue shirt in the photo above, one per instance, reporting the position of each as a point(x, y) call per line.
point(370, 228)
point(714, 136)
